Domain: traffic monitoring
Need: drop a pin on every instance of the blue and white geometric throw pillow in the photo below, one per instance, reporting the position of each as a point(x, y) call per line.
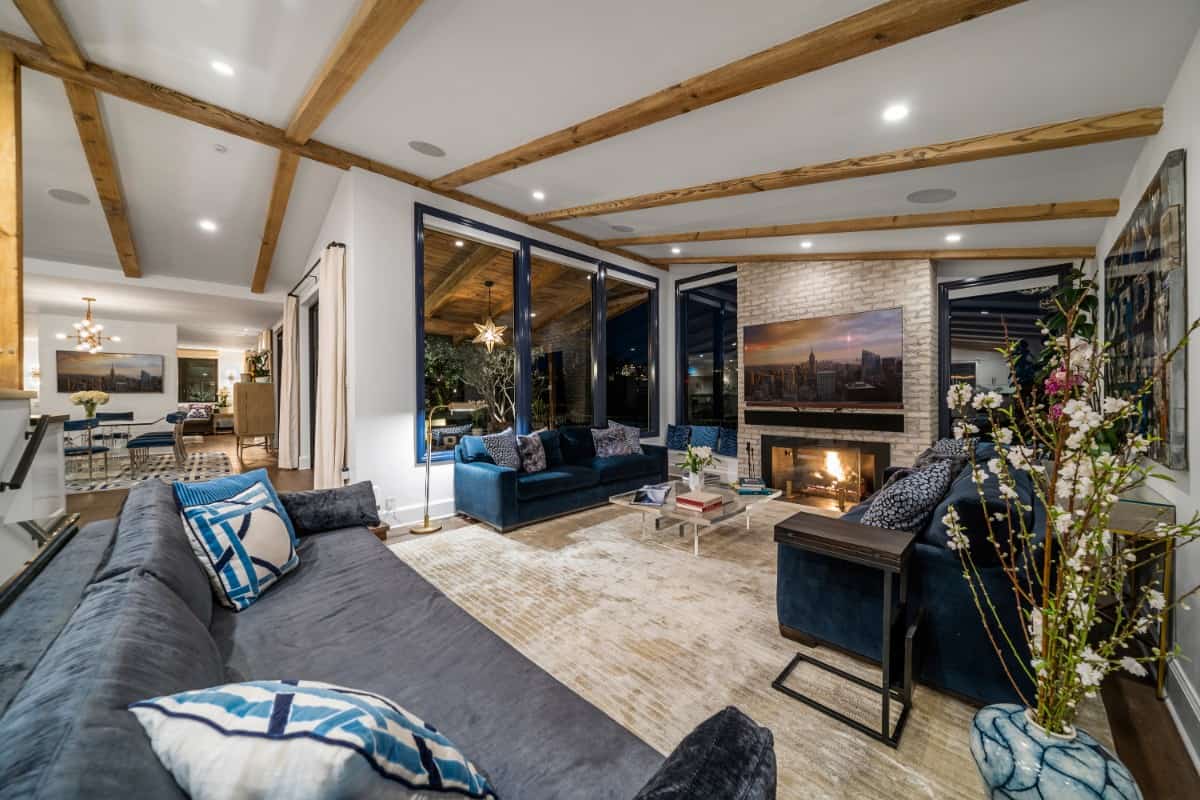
point(243, 543)
point(302, 739)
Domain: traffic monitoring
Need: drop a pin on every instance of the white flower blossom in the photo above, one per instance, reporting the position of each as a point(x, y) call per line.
point(1114, 405)
point(1133, 666)
point(1004, 435)
point(988, 400)
point(1155, 599)
point(958, 395)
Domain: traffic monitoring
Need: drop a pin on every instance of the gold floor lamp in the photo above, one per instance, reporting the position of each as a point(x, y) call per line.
point(428, 527)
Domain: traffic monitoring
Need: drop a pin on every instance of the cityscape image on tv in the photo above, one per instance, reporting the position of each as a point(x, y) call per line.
point(845, 360)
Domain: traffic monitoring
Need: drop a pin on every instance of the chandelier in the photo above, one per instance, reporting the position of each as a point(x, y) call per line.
point(88, 332)
point(490, 334)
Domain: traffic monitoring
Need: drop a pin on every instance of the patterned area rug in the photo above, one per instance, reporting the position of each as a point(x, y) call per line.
point(659, 639)
point(199, 467)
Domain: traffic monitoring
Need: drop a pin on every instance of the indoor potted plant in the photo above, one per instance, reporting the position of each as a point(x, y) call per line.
point(695, 459)
point(89, 399)
point(259, 363)
point(1082, 450)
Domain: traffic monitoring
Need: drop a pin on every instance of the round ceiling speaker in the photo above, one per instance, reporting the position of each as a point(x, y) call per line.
point(623, 228)
point(427, 148)
point(932, 196)
point(67, 196)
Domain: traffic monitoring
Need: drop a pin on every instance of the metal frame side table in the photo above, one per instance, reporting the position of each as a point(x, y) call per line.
point(888, 551)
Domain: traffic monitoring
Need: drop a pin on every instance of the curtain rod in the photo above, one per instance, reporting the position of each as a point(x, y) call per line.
point(309, 273)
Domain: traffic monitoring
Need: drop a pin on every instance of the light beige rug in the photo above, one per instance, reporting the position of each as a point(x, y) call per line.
point(659, 640)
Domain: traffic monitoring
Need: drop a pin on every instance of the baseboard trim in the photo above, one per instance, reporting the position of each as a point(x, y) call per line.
point(1183, 703)
point(414, 514)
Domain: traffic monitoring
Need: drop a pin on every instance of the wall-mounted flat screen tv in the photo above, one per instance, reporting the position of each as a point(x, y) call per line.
point(115, 373)
point(849, 360)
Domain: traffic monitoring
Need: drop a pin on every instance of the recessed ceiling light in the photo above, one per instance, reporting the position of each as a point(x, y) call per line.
point(221, 68)
point(675, 251)
point(806, 244)
point(932, 196)
point(459, 243)
point(207, 225)
point(538, 195)
point(623, 228)
point(427, 148)
point(67, 196)
point(953, 237)
point(895, 112)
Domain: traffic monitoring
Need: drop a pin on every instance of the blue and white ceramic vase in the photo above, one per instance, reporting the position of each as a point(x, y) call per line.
point(1019, 759)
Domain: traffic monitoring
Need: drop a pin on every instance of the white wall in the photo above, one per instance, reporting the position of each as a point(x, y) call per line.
point(136, 337)
point(373, 216)
point(1181, 128)
point(229, 360)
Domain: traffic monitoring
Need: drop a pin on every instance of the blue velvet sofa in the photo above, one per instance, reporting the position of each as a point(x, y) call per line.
point(574, 478)
point(827, 601)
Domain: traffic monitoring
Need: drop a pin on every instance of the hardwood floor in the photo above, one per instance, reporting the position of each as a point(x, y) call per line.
point(105, 505)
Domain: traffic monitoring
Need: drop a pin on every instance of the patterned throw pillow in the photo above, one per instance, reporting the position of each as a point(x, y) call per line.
point(502, 447)
point(533, 455)
point(907, 504)
point(704, 436)
point(199, 411)
point(243, 544)
point(610, 442)
point(302, 739)
point(678, 436)
point(633, 436)
point(727, 442)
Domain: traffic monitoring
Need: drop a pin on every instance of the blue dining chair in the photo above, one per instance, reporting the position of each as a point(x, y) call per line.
point(110, 434)
point(140, 446)
point(84, 445)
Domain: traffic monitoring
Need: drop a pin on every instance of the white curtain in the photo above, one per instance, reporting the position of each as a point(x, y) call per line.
point(264, 340)
point(289, 387)
point(329, 452)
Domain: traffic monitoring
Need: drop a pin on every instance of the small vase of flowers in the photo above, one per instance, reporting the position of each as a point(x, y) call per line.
point(89, 400)
point(694, 462)
point(1080, 448)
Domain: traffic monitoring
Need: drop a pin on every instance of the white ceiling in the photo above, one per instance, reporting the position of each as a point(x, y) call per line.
point(477, 77)
point(230, 320)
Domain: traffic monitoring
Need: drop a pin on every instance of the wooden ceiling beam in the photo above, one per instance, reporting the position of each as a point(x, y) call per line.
point(986, 254)
point(178, 104)
point(462, 271)
point(876, 28)
point(980, 216)
point(374, 25)
point(47, 22)
point(1053, 136)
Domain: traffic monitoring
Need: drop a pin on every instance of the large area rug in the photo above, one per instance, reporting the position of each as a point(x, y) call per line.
point(659, 640)
point(198, 467)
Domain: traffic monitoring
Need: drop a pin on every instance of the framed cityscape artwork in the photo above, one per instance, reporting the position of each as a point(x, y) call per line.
point(115, 373)
point(1145, 309)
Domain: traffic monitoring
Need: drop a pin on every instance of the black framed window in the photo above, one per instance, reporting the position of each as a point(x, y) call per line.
point(198, 379)
point(468, 292)
point(553, 308)
point(708, 368)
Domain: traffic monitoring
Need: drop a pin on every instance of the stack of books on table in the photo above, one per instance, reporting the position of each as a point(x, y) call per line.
point(699, 501)
point(752, 486)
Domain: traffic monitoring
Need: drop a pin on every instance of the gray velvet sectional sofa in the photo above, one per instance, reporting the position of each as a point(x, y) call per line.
point(125, 613)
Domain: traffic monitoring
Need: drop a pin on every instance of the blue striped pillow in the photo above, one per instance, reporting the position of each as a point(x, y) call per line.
point(302, 739)
point(201, 493)
point(243, 545)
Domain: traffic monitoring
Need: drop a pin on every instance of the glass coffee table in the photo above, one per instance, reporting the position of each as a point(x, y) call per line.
point(668, 515)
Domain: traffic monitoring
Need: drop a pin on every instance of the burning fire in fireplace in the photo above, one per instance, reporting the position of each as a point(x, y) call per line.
point(818, 476)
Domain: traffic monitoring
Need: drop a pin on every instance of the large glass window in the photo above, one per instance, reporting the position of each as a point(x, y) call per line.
point(561, 327)
point(197, 380)
point(553, 361)
point(628, 350)
point(710, 380)
point(470, 387)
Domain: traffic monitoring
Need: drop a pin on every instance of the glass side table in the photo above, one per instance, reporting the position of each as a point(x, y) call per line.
point(1133, 519)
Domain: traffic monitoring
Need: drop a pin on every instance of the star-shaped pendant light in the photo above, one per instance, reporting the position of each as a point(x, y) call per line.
point(490, 334)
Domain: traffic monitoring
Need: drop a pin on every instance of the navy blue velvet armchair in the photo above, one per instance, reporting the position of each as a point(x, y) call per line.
point(840, 604)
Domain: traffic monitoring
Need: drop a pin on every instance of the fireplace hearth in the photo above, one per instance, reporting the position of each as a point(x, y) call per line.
point(829, 474)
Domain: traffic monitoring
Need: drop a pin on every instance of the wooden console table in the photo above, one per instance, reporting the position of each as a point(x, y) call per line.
point(888, 551)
